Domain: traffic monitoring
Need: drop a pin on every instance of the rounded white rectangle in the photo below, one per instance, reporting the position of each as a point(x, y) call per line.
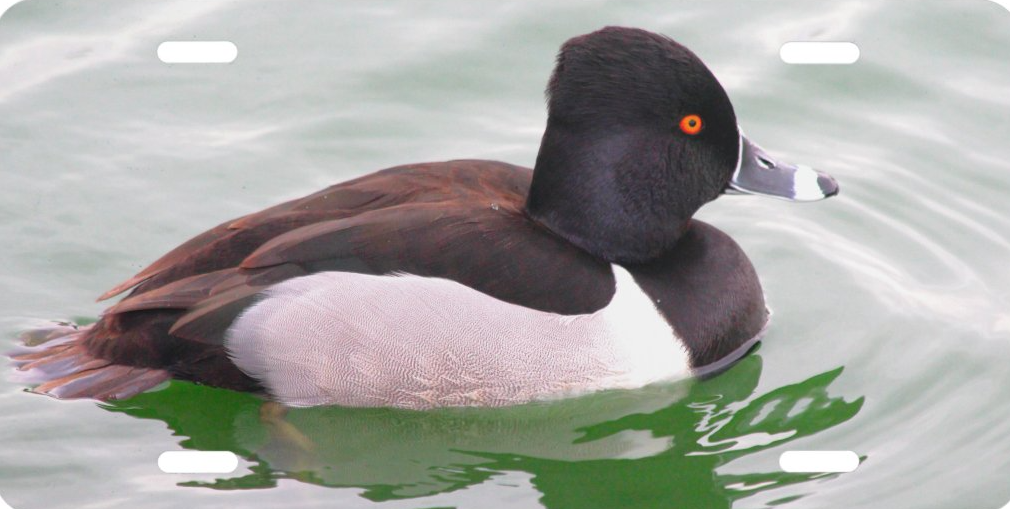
point(802, 52)
point(197, 52)
point(197, 462)
point(818, 461)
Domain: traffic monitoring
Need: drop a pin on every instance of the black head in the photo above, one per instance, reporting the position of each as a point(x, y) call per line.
point(624, 164)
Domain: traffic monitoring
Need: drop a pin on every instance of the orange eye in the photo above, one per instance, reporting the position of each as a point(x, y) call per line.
point(690, 124)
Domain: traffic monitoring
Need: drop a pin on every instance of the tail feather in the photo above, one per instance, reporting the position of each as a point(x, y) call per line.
point(57, 359)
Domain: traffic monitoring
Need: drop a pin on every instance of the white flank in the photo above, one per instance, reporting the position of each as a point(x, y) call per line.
point(641, 335)
point(339, 338)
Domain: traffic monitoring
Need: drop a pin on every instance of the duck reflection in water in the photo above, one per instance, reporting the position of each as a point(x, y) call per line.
point(661, 445)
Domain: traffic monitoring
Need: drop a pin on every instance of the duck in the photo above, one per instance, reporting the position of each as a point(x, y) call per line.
point(469, 282)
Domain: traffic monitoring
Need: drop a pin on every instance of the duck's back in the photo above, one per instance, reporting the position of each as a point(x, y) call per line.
point(458, 220)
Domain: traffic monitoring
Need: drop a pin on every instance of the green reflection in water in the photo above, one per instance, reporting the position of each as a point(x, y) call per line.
point(658, 447)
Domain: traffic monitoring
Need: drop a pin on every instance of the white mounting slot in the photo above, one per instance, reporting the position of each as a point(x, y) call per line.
point(818, 461)
point(800, 52)
point(197, 52)
point(197, 462)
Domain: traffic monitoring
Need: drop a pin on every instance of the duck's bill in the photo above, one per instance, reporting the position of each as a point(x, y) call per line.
point(759, 173)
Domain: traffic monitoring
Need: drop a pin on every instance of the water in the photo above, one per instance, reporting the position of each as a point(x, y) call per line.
point(891, 332)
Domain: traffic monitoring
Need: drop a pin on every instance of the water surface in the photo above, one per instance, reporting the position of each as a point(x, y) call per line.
point(891, 327)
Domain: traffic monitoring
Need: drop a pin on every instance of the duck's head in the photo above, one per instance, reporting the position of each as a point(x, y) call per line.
point(640, 134)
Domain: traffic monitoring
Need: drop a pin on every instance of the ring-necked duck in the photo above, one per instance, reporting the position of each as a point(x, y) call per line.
point(470, 282)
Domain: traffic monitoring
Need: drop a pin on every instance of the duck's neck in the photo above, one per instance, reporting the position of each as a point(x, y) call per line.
point(606, 193)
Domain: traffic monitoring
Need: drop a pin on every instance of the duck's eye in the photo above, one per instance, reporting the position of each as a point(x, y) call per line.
point(691, 124)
